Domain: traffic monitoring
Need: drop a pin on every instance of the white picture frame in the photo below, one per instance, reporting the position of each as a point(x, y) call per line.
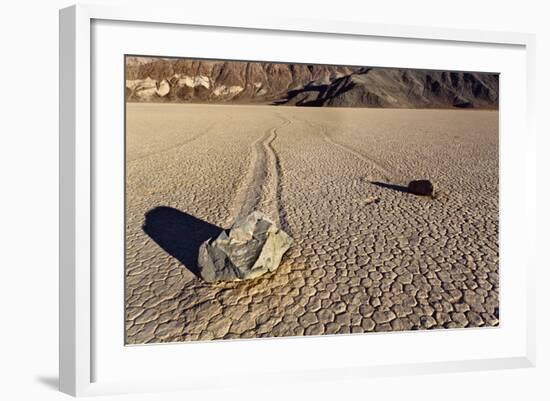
point(80, 341)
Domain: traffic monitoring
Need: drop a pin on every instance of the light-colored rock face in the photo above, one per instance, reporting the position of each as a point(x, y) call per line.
point(223, 90)
point(146, 89)
point(192, 82)
point(132, 83)
point(254, 246)
point(164, 88)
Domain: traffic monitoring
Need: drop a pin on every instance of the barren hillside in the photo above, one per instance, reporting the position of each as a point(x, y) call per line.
point(205, 81)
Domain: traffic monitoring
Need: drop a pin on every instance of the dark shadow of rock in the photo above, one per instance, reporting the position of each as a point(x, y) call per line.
point(179, 233)
point(395, 187)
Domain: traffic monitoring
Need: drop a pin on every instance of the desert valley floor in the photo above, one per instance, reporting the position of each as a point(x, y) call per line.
point(368, 255)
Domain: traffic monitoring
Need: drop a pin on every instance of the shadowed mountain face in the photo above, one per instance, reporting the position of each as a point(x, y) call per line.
point(204, 81)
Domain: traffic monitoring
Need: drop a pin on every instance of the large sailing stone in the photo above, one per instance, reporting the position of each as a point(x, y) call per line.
point(253, 247)
point(421, 187)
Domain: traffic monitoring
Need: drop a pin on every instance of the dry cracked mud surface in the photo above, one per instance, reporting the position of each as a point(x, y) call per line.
point(368, 255)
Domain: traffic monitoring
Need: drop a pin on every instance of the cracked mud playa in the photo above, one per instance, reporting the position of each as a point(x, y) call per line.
point(368, 255)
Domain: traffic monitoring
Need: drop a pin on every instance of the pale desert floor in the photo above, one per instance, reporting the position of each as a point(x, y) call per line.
point(367, 257)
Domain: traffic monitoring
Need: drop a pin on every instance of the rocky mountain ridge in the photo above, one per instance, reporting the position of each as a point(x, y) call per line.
point(208, 81)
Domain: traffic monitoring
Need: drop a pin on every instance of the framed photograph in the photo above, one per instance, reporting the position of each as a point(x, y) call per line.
point(237, 194)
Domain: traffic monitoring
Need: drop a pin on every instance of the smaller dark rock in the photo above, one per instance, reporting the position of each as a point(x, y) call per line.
point(421, 187)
